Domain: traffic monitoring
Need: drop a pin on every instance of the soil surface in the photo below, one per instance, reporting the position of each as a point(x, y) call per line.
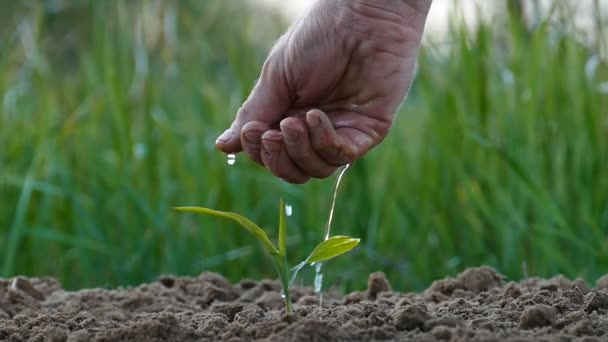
point(477, 305)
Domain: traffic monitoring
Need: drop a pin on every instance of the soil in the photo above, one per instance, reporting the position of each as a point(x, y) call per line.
point(477, 305)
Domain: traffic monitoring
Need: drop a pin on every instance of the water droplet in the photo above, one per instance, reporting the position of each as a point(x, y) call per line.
point(231, 159)
point(288, 210)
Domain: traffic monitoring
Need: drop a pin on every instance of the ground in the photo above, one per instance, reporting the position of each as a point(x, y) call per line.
point(477, 305)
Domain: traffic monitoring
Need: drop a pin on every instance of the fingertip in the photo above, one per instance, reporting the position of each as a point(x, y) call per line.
point(292, 129)
point(251, 139)
point(272, 134)
point(322, 132)
point(226, 136)
point(292, 122)
point(272, 142)
point(314, 118)
point(277, 161)
point(228, 142)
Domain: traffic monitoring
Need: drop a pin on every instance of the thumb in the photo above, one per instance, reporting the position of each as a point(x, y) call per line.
point(267, 103)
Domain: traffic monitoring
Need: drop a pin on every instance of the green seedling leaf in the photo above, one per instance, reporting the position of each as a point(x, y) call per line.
point(282, 229)
point(331, 248)
point(243, 221)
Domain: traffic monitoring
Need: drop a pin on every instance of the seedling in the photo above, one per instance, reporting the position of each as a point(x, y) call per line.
point(326, 250)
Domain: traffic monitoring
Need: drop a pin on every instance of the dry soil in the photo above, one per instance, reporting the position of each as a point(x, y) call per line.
point(477, 305)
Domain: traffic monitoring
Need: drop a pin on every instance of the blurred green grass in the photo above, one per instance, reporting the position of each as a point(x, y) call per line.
point(109, 111)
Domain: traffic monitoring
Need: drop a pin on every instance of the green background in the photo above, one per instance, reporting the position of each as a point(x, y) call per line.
point(109, 111)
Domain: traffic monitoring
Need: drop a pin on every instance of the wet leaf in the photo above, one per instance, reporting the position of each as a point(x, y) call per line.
point(331, 248)
point(243, 221)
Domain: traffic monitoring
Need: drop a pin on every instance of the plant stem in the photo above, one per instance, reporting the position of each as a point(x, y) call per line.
point(280, 262)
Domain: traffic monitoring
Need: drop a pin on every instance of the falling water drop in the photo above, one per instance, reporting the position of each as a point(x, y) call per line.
point(231, 159)
point(288, 210)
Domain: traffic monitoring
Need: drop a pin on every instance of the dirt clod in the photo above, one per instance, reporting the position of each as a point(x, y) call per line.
point(474, 306)
point(473, 280)
point(167, 281)
point(599, 300)
point(451, 322)
point(538, 316)
point(576, 295)
point(411, 317)
point(376, 284)
point(481, 279)
point(442, 333)
point(309, 300)
point(602, 283)
point(27, 287)
point(512, 290)
point(228, 309)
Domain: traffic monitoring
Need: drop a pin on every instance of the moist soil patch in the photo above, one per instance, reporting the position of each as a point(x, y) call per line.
point(477, 305)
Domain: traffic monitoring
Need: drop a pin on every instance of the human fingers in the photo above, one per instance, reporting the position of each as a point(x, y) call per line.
point(274, 156)
point(334, 149)
point(300, 151)
point(267, 103)
point(251, 139)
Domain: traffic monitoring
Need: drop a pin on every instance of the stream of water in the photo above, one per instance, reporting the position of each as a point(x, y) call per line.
point(318, 285)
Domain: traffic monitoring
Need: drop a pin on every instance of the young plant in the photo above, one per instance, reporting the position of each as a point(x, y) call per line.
point(324, 251)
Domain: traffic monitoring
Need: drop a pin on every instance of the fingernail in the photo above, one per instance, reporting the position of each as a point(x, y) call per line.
point(271, 147)
point(290, 134)
point(225, 136)
point(313, 120)
point(253, 137)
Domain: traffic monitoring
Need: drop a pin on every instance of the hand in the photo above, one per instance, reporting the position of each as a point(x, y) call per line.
point(330, 88)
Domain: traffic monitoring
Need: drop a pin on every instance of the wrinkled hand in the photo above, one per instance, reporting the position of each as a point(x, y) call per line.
point(330, 88)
